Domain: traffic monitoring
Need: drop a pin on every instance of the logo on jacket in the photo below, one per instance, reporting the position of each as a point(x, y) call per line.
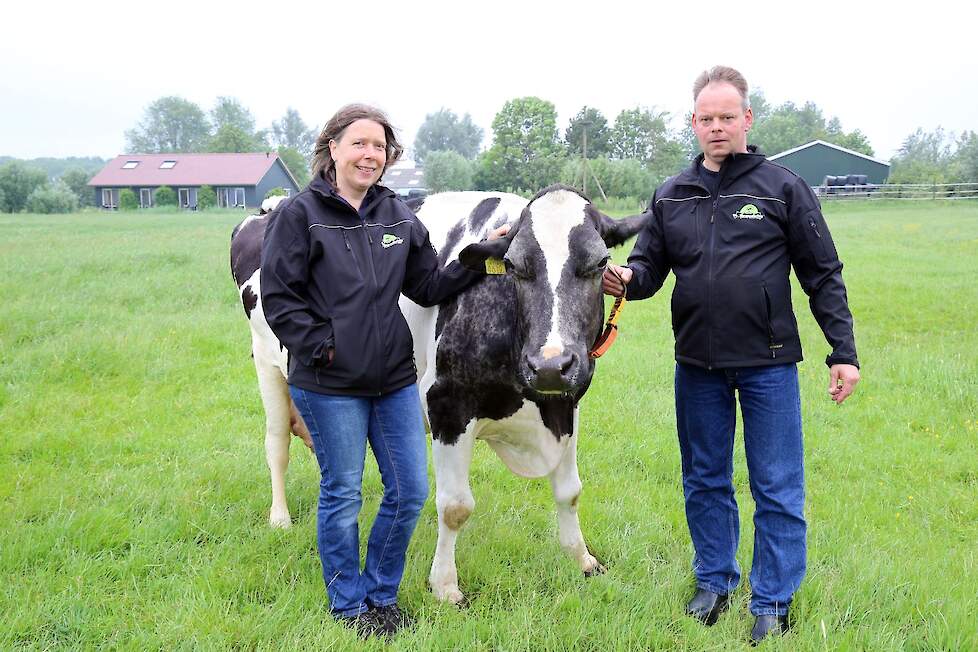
point(390, 240)
point(749, 212)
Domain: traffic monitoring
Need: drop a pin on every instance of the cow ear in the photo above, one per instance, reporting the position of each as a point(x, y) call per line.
point(615, 232)
point(475, 255)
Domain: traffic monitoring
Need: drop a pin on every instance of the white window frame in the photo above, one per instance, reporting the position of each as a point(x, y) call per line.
point(236, 191)
point(181, 193)
point(223, 197)
point(167, 165)
point(130, 165)
point(148, 202)
point(108, 203)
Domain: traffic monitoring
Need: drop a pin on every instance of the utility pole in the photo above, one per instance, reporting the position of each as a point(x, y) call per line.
point(585, 167)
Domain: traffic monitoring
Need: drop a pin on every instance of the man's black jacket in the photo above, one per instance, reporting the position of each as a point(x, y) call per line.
point(331, 277)
point(731, 254)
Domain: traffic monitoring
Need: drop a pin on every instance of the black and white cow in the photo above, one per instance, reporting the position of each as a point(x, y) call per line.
point(508, 360)
point(281, 415)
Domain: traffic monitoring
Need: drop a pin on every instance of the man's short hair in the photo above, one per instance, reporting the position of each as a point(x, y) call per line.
point(724, 74)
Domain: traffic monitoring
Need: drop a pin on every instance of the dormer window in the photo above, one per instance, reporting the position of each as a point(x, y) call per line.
point(166, 165)
point(129, 165)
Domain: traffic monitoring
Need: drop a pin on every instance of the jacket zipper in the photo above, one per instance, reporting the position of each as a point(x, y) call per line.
point(709, 287)
point(770, 322)
point(373, 304)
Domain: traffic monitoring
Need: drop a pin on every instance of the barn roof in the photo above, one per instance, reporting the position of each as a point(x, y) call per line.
point(186, 169)
point(404, 175)
point(822, 142)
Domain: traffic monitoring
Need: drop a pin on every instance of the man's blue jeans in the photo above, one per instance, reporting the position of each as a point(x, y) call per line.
point(340, 427)
point(770, 403)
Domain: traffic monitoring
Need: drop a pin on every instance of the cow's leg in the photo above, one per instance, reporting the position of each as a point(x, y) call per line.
point(277, 403)
point(454, 500)
point(566, 485)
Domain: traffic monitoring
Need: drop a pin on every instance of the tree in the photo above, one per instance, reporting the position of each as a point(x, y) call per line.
point(231, 138)
point(923, 158)
point(127, 200)
point(206, 198)
point(964, 163)
point(18, 181)
point(3, 202)
point(622, 178)
point(53, 198)
point(598, 133)
point(787, 126)
point(276, 192)
point(296, 164)
point(447, 171)
point(291, 132)
point(639, 134)
point(234, 128)
point(170, 124)
point(525, 153)
point(77, 179)
point(442, 131)
point(165, 196)
point(230, 111)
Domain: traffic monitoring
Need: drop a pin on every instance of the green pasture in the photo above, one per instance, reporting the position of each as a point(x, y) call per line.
point(134, 492)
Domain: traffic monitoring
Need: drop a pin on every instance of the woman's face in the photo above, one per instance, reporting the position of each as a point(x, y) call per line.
point(359, 155)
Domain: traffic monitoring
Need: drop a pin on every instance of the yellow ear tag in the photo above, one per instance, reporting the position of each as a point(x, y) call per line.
point(495, 266)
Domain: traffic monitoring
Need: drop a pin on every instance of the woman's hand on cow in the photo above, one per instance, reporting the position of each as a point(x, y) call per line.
point(498, 232)
point(614, 279)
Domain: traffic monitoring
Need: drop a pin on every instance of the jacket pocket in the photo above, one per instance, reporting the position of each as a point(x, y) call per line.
point(817, 234)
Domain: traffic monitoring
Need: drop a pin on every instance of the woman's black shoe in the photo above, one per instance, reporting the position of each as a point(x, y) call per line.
point(706, 606)
point(366, 624)
point(393, 618)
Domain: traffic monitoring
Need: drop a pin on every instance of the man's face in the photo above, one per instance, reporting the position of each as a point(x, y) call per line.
point(720, 123)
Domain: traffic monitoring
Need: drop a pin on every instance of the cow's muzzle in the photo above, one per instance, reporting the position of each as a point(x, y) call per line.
point(556, 374)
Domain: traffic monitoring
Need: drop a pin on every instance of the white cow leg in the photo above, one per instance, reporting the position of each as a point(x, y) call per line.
point(275, 397)
point(566, 485)
point(454, 500)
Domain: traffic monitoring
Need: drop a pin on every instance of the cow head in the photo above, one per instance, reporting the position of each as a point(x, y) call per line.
point(556, 255)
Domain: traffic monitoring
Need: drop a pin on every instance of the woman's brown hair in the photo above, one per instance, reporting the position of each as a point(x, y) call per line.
point(322, 160)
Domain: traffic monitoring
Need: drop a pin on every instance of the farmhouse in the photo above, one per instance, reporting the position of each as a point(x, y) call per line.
point(240, 180)
point(818, 159)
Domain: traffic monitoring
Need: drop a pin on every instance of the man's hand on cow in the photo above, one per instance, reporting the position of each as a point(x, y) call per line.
point(842, 381)
point(498, 232)
point(614, 279)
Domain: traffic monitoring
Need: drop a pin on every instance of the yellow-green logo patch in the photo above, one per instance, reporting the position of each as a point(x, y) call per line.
point(749, 212)
point(389, 240)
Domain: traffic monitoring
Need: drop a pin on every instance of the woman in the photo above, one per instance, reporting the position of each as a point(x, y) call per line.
point(334, 261)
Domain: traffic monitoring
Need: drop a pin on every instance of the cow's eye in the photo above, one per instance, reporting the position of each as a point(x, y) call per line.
point(520, 271)
point(593, 269)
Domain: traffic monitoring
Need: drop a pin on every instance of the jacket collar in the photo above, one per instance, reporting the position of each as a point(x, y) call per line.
point(733, 166)
point(326, 190)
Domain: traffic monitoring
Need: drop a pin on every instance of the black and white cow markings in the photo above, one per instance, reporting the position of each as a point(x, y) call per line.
point(271, 359)
point(507, 361)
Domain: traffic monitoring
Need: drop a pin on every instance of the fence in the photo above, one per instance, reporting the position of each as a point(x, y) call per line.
point(899, 191)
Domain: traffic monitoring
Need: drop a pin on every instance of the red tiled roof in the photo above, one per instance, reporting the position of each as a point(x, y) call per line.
point(190, 170)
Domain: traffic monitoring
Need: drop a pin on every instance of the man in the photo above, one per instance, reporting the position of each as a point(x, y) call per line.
point(729, 228)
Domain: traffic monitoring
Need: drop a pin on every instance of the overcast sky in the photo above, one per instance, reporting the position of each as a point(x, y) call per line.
point(74, 77)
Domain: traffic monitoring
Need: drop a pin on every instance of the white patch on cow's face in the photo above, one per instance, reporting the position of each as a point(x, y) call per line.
point(554, 215)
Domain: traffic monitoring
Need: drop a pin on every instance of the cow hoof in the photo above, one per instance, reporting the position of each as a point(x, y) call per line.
point(594, 569)
point(283, 522)
point(449, 594)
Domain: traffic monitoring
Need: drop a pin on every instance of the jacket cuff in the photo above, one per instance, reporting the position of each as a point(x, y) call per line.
point(320, 355)
point(839, 359)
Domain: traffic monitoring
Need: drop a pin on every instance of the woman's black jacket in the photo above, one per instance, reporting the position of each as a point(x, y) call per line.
point(331, 277)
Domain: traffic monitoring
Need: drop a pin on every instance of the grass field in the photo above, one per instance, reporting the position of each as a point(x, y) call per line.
point(134, 492)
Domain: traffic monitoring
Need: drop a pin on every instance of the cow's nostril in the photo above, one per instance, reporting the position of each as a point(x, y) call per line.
point(566, 364)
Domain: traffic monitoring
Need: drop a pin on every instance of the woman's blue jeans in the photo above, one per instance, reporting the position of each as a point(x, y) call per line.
point(341, 427)
point(706, 418)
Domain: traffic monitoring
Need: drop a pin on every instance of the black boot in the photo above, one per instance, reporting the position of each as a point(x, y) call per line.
point(764, 625)
point(706, 606)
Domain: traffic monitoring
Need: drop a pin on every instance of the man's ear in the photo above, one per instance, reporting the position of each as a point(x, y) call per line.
point(615, 232)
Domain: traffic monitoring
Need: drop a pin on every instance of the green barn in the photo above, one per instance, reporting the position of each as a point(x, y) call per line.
point(818, 159)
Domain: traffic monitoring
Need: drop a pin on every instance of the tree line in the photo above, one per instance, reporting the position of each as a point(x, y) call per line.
point(627, 157)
